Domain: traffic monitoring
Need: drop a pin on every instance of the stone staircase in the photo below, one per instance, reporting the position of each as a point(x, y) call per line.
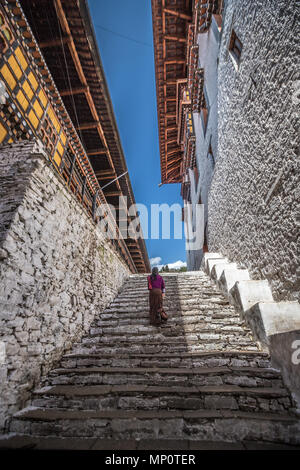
point(199, 377)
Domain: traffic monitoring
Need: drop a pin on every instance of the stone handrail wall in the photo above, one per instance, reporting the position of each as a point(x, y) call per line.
point(275, 325)
point(57, 272)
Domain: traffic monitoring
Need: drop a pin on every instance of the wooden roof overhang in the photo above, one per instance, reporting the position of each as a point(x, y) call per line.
point(176, 24)
point(64, 32)
point(170, 22)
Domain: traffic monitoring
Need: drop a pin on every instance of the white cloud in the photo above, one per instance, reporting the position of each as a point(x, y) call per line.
point(177, 264)
point(155, 261)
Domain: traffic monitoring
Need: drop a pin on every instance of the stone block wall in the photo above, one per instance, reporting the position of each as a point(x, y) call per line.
point(254, 198)
point(57, 272)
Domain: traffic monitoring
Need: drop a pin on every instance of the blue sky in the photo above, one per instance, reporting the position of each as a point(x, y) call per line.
point(124, 34)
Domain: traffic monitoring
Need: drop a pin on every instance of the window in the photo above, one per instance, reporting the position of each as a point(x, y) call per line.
point(204, 110)
point(235, 47)
point(210, 154)
point(218, 14)
point(2, 45)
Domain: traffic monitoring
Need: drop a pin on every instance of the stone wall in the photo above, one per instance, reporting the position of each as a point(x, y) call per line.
point(254, 197)
point(57, 272)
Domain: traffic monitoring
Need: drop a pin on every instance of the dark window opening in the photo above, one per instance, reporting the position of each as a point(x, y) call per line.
point(235, 47)
point(204, 110)
point(218, 13)
point(205, 242)
point(2, 45)
point(211, 155)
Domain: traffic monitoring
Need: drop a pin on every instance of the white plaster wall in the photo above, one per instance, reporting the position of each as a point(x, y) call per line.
point(208, 53)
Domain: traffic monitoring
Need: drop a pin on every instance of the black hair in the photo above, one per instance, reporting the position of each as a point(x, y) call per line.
point(154, 273)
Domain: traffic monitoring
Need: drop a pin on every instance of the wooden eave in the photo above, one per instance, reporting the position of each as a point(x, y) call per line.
point(64, 30)
point(170, 22)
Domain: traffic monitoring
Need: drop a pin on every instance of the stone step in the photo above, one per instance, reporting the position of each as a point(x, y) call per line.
point(244, 376)
point(163, 348)
point(188, 320)
point(166, 330)
point(159, 337)
point(143, 312)
point(179, 300)
point(139, 397)
point(199, 376)
point(211, 359)
point(224, 425)
point(139, 294)
point(173, 313)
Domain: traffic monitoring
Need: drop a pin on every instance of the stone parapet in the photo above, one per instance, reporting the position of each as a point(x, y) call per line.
point(275, 325)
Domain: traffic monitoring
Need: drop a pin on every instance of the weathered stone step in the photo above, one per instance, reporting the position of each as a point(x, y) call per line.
point(244, 376)
point(251, 371)
point(163, 348)
point(184, 317)
point(172, 322)
point(100, 397)
point(218, 337)
point(143, 319)
point(240, 354)
point(139, 294)
point(184, 424)
point(133, 390)
point(212, 359)
point(168, 331)
point(179, 302)
point(174, 313)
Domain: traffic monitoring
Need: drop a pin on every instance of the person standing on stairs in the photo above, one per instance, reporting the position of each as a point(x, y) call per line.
point(156, 286)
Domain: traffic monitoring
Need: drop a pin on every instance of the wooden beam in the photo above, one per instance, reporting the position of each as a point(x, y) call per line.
point(54, 42)
point(74, 91)
point(183, 16)
point(113, 194)
point(105, 177)
point(87, 125)
point(169, 82)
point(171, 152)
point(173, 159)
point(175, 38)
point(106, 172)
point(175, 61)
point(90, 153)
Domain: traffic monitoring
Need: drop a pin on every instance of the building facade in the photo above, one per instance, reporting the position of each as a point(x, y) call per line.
point(227, 77)
point(186, 43)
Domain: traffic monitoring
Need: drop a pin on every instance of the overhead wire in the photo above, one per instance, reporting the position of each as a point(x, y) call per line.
point(123, 36)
